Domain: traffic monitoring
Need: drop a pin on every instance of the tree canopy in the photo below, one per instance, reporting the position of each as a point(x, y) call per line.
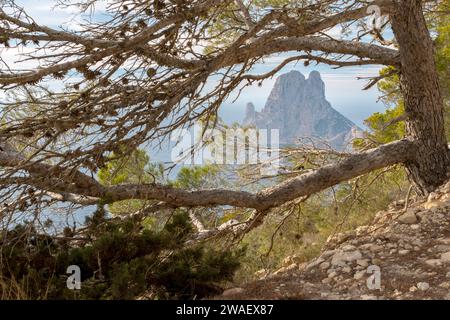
point(146, 68)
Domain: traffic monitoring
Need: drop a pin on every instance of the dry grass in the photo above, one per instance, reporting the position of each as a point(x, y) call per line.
point(10, 289)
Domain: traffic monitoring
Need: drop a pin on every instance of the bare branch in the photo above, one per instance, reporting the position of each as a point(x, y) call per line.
point(291, 189)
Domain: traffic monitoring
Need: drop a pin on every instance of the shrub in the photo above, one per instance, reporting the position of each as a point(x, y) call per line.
point(119, 259)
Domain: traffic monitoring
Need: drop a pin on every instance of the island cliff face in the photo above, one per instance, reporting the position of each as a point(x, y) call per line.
point(297, 107)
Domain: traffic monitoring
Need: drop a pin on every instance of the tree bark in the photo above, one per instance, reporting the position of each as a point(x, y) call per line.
point(76, 186)
point(422, 95)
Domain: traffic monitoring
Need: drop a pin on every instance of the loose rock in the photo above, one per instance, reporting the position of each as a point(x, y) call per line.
point(408, 218)
point(424, 286)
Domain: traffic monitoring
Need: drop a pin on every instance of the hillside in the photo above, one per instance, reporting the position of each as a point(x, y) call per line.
point(411, 248)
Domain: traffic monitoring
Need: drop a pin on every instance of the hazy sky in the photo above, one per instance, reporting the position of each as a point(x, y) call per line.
point(342, 88)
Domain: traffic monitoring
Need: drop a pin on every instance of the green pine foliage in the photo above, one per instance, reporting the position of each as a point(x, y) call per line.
point(135, 168)
point(120, 259)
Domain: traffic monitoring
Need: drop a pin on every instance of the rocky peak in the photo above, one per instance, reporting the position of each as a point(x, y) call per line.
point(288, 85)
point(315, 85)
point(297, 107)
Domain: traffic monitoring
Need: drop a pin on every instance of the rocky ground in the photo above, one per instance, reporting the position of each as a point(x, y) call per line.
point(410, 249)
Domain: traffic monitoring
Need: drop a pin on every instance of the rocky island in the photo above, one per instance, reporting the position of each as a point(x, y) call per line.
point(298, 108)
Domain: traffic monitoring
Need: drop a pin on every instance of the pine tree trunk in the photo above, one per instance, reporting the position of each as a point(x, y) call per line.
point(423, 99)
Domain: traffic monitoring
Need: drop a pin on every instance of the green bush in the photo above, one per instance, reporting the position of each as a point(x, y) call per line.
point(119, 260)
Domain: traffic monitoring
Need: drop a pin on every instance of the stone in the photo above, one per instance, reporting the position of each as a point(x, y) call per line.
point(423, 286)
point(348, 247)
point(445, 241)
point(348, 256)
point(324, 265)
point(340, 264)
point(366, 246)
point(347, 269)
point(445, 257)
point(359, 275)
point(328, 253)
point(408, 218)
point(331, 275)
point(315, 263)
point(434, 262)
point(362, 262)
point(232, 291)
point(403, 252)
point(375, 248)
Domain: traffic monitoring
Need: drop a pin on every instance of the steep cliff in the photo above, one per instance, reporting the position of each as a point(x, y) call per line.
point(297, 107)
